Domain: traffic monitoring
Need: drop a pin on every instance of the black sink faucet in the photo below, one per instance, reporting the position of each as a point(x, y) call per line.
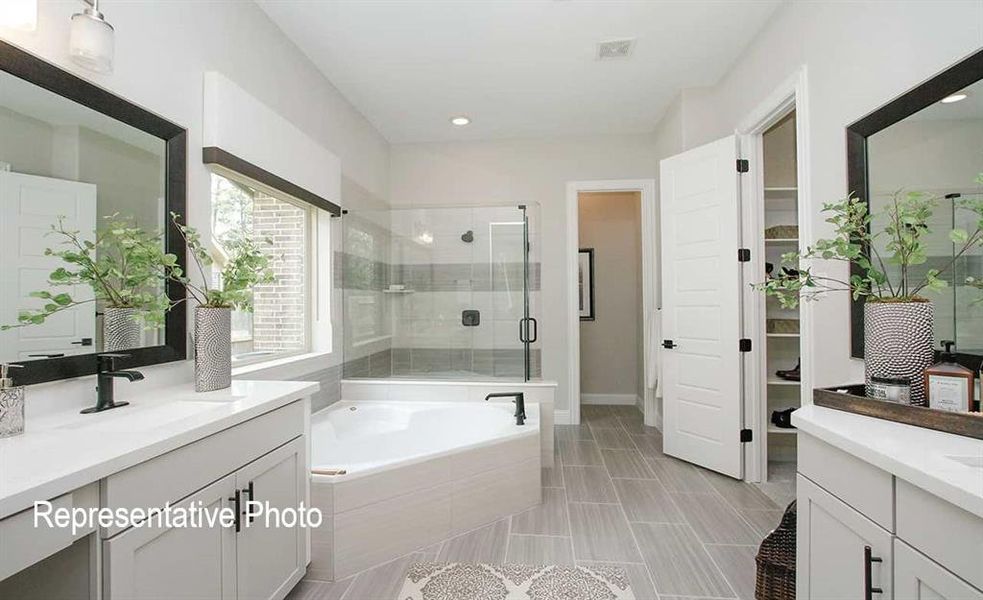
point(105, 373)
point(520, 404)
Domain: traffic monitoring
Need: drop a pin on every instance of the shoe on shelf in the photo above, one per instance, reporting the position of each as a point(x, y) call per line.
point(783, 418)
point(791, 374)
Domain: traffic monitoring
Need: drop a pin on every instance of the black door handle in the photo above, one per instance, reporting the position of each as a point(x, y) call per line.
point(535, 330)
point(238, 505)
point(83, 342)
point(252, 498)
point(869, 560)
point(668, 344)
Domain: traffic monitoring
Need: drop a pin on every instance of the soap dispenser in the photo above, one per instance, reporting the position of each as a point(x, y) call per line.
point(11, 403)
point(948, 384)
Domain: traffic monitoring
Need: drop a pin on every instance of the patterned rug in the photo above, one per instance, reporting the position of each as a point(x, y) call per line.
point(479, 581)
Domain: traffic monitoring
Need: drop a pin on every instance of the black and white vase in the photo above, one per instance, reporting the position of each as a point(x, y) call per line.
point(121, 330)
point(899, 339)
point(213, 348)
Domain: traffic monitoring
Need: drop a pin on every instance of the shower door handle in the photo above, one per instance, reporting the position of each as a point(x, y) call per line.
point(522, 337)
point(524, 330)
point(535, 330)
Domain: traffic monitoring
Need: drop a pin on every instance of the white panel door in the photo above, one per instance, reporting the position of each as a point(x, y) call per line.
point(29, 206)
point(152, 562)
point(701, 309)
point(272, 557)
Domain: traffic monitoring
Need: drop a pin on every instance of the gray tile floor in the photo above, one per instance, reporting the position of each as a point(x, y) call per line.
point(681, 532)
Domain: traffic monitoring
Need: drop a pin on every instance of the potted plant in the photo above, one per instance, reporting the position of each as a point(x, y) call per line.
point(125, 266)
point(245, 266)
point(898, 319)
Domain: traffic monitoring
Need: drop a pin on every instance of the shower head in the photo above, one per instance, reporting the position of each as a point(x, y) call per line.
point(467, 237)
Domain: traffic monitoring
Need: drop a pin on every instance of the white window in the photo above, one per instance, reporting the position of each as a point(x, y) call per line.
point(284, 227)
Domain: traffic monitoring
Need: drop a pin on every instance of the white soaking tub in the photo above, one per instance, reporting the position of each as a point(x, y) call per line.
point(414, 473)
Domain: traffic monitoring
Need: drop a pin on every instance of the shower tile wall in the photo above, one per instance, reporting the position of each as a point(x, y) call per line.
point(442, 275)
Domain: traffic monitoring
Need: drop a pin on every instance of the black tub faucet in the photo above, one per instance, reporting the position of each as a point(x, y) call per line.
point(105, 373)
point(520, 404)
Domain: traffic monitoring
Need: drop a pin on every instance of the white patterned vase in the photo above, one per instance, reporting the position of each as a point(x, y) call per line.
point(899, 338)
point(121, 330)
point(213, 348)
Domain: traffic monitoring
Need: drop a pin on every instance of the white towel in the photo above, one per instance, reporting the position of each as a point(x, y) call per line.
point(653, 351)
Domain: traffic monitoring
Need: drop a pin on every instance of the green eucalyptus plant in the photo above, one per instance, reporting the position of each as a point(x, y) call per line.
point(246, 267)
point(853, 242)
point(125, 266)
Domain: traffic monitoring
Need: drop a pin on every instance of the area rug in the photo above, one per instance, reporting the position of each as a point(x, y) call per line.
point(480, 581)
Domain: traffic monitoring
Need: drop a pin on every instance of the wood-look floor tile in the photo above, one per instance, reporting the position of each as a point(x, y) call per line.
point(572, 432)
point(600, 417)
point(382, 582)
point(613, 438)
point(552, 476)
point(311, 589)
point(638, 427)
point(713, 520)
point(738, 566)
point(679, 476)
point(600, 532)
point(638, 574)
point(647, 500)
point(588, 484)
point(549, 518)
point(762, 521)
point(782, 493)
point(539, 550)
point(678, 562)
point(486, 544)
point(650, 445)
point(626, 463)
point(738, 493)
point(579, 453)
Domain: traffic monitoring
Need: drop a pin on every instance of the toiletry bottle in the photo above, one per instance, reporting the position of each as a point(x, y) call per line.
point(949, 385)
point(11, 404)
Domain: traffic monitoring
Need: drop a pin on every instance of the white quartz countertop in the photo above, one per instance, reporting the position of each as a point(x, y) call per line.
point(946, 465)
point(63, 451)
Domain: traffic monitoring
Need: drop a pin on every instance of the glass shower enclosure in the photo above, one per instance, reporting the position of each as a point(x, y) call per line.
point(441, 293)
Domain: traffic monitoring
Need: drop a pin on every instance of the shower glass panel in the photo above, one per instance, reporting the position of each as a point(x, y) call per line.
point(441, 293)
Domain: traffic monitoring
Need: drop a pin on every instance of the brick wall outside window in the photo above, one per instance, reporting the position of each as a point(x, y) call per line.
point(279, 315)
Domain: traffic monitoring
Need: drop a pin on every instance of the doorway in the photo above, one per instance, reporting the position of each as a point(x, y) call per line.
point(634, 201)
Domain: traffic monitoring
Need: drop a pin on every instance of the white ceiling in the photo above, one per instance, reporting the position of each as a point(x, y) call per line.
point(518, 68)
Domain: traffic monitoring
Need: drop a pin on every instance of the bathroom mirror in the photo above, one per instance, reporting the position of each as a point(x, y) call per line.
point(79, 164)
point(930, 140)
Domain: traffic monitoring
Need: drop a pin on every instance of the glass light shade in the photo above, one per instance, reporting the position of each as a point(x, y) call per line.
point(91, 43)
point(19, 14)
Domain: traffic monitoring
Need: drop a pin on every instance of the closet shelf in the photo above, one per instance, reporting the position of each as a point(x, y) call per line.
point(777, 381)
point(781, 241)
point(773, 429)
point(783, 335)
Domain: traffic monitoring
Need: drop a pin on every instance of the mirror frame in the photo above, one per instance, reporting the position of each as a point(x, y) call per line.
point(41, 73)
point(964, 73)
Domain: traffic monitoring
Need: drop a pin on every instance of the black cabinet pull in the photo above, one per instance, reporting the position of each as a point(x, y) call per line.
point(238, 505)
point(869, 560)
point(252, 497)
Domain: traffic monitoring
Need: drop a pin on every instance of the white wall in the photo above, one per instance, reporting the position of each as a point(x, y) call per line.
point(162, 52)
point(523, 171)
point(859, 55)
point(611, 344)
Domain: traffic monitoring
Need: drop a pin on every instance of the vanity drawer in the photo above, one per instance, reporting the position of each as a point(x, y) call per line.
point(861, 485)
point(178, 473)
point(944, 532)
point(22, 544)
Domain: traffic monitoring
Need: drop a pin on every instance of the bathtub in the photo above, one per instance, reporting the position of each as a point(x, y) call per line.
point(411, 474)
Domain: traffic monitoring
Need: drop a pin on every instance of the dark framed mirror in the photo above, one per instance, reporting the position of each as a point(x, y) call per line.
point(75, 156)
point(929, 139)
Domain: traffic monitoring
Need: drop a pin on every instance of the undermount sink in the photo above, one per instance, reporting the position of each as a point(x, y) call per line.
point(136, 418)
point(975, 462)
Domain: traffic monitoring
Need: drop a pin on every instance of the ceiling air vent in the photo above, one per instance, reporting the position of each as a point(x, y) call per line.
point(615, 49)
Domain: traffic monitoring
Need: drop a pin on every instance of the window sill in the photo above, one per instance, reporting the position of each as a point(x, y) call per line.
point(285, 367)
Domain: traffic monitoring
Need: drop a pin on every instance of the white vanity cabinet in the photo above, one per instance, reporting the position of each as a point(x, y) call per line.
point(864, 534)
point(250, 560)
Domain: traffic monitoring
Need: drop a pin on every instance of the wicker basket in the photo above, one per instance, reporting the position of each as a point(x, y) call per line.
point(776, 561)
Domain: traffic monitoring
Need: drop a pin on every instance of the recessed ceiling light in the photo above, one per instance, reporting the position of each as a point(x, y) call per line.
point(955, 98)
point(460, 120)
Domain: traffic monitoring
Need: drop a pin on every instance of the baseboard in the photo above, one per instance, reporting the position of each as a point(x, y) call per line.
point(561, 417)
point(614, 399)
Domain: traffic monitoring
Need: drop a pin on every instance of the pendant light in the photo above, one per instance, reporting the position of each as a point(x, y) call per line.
point(91, 42)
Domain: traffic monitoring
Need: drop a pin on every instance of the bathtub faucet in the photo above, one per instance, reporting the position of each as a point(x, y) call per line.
point(520, 404)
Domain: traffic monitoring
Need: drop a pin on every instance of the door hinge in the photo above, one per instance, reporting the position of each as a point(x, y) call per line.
point(668, 344)
point(744, 345)
point(743, 166)
point(746, 436)
point(743, 255)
